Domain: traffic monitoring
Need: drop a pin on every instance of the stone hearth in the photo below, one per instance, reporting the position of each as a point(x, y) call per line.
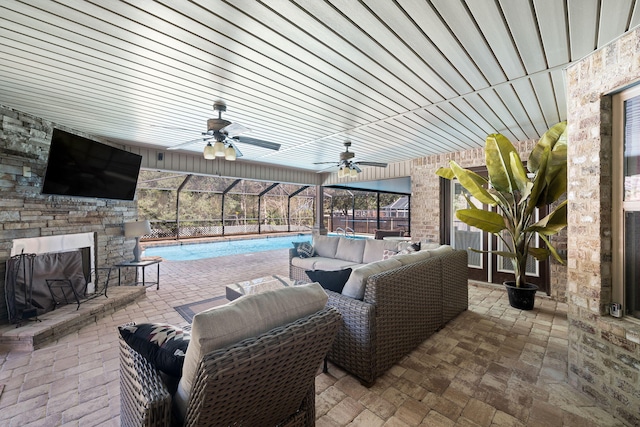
point(65, 319)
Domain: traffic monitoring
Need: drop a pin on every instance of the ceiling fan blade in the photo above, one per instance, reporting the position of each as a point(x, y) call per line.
point(193, 141)
point(377, 164)
point(235, 129)
point(257, 142)
point(327, 168)
point(326, 163)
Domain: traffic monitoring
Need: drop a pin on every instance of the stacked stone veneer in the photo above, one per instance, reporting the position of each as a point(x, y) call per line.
point(24, 212)
point(604, 353)
point(426, 203)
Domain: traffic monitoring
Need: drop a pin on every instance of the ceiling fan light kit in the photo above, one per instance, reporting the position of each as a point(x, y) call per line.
point(209, 152)
point(218, 149)
point(225, 134)
point(230, 153)
point(347, 167)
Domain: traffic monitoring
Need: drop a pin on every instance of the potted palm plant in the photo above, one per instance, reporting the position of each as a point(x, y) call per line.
point(517, 194)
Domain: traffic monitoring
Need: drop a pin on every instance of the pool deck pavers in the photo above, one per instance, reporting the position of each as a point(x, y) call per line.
point(491, 366)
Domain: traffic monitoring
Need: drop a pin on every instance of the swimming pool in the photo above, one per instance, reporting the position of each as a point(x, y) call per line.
point(192, 251)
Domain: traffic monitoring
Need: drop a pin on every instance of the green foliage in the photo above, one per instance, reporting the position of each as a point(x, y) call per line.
point(517, 194)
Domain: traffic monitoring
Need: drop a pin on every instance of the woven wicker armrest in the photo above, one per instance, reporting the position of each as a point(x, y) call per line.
point(144, 398)
point(354, 346)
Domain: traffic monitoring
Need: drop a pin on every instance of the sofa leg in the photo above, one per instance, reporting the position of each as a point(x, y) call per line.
point(325, 366)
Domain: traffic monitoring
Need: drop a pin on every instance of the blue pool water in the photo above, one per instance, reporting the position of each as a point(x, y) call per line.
point(188, 252)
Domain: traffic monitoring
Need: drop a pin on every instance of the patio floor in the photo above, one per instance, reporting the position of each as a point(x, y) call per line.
point(491, 366)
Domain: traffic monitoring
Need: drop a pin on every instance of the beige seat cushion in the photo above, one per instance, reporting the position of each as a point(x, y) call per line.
point(357, 281)
point(246, 317)
point(325, 246)
point(331, 264)
point(306, 263)
point(350, 249)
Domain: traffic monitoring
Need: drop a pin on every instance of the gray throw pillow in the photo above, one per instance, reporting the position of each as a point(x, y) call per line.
point(305, 250)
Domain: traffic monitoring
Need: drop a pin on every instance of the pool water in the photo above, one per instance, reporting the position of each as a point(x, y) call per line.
point(193, 251)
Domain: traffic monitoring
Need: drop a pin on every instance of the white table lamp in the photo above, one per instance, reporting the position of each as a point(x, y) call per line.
point(137, 229)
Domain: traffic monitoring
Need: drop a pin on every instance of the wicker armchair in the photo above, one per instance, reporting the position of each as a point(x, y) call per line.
point(267, 380)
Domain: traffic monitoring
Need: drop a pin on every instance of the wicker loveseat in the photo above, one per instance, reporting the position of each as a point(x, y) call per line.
point(264, 380)
point(401, 307)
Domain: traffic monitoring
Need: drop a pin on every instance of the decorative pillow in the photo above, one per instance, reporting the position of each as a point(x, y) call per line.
point(415, 246)
point(296, 245)
point(164, 346)
point(331, 280)
point(386, 254)
point(305, 250)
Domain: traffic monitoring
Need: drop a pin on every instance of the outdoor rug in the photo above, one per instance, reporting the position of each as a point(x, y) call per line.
point(187, 311)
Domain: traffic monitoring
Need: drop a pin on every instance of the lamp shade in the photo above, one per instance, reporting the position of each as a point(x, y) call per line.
point(218, 149)
point(209, 153)
point(137, 228)
point(353, 173)
point(230, 153)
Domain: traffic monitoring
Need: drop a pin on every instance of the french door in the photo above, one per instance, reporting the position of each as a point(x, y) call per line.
point(484, 266)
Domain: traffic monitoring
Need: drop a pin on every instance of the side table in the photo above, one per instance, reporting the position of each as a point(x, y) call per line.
point(142, 264)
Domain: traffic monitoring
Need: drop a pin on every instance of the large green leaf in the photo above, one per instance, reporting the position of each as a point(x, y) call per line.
point(550, 138)
point(555, 175)
point(446, 173)
point(539, 183)
point(541, 254)
point(490, 222)
point(497, 152)
point(552, 223)
point(473, 183)
point(519, 173)
point(553, 251)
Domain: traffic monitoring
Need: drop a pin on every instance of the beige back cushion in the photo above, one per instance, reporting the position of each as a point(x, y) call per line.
point(374, 249)
point(246, 317)
point(357, 281)
point(442, 249)
point(325, 246)
point(350, 249)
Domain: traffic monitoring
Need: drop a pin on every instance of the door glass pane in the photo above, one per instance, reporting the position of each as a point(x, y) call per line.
point(631, 262)
point(632, 150)
point(465, 236)
point(631, 196)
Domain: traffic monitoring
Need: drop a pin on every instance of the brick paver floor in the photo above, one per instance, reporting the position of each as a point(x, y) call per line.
point(491, 366)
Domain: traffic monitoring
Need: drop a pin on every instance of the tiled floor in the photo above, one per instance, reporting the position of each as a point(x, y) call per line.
point(491, 366)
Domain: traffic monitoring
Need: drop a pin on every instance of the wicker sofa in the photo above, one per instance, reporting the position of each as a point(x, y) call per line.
point(401, 307)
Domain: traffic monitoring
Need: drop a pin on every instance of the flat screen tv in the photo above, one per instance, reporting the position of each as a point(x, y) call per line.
point(78, 166)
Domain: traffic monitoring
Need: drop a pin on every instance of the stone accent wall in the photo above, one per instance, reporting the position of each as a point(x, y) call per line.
point(426, 207)
point(604, 352)
point(24, 212)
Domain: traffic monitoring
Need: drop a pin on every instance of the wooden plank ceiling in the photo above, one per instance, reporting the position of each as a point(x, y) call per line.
point(401, 79)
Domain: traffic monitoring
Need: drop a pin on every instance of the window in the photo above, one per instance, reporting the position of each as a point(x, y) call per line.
point(626, 201)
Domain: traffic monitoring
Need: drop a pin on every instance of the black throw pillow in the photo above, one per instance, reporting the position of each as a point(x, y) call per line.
point(164, 346)
point(331, 280)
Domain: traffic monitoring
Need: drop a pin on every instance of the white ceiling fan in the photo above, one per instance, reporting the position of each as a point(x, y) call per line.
point(347, 167)
point(225, 136)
